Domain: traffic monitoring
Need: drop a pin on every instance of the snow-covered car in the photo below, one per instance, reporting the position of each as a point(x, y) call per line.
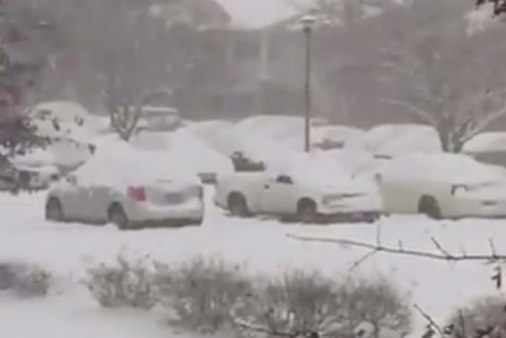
point(187, 150)
point(36, 178)
point(442, 186)
point(129, 188)
point(397, 139)
point(305, 190)
point(15, 176)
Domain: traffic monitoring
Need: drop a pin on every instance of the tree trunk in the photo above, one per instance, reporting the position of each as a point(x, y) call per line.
point(124, 121)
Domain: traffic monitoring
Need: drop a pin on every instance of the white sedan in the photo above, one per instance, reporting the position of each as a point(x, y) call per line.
point(128, 189)
point(302, 191)
point(442, 186)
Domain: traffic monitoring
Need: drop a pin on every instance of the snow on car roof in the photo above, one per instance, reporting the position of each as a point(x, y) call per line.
point(317, 167)
point(119, 164)
point(453, 168)
point(485, 142)
point(190, 149)
point(396, 139)
point(275, 126)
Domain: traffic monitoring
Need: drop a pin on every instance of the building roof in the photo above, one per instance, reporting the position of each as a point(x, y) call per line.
point(257, 14)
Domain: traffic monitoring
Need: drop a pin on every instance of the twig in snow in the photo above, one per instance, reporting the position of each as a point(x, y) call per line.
point(362, 260)
point(431, 321)
point(462, 323)
point(378, 235)
point(440, 247)
point(492, 247)
point(401, 247)
point(369, 254)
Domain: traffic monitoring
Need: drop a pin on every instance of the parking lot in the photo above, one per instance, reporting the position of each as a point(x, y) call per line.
point(266, 245)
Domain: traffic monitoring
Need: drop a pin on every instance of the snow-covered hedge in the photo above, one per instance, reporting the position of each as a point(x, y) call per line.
point(208, 295)
point(24, 279)
point(126, 283)
point(484, 317)
point(200, 294)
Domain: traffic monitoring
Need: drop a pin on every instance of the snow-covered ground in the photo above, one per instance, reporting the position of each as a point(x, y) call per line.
point(67, 249)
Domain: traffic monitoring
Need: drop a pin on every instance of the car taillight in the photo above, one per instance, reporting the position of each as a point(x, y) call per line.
point(137, 193)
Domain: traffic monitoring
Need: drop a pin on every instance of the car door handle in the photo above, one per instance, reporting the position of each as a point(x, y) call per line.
point(266, 186)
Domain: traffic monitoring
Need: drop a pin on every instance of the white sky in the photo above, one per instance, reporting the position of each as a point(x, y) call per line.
point(259, 13)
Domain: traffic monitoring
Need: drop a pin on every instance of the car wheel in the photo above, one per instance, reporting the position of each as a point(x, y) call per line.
point(118, 217)
point(430, 207)
point(54, 211)
point(238, 206)
point(307, 212)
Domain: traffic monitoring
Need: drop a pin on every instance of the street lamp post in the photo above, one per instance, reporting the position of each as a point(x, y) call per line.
point(307, 22)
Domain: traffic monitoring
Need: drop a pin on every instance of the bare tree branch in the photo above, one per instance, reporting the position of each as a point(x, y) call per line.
point(431, 321)
point(410, 108)
point(446, 256)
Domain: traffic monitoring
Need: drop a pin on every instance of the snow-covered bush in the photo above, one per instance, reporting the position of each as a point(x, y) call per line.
point(485, 317)
point(307, 302)
point(199, 294)
point(299, 302)
point(24, 279)
point(376, 301)
point(128, 283)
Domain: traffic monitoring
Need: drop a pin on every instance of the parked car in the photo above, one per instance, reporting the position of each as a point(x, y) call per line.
point(15, 177)
point(442, 186)
point(34, 178)
point(102, 191)
point(303, 190)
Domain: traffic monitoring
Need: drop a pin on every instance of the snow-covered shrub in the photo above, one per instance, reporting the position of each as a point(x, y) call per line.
point(128, 283)
point(24, 279)
point(299, 302)
point(199, 294)
point(485, 317)
point(307, 302)
point(375, 301)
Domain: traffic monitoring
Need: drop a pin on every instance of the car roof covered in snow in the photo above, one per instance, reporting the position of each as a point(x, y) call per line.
point(444, 167)
point(395, 139)
point(119, 164)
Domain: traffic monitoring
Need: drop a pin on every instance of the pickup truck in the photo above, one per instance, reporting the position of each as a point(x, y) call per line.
point(296, 197)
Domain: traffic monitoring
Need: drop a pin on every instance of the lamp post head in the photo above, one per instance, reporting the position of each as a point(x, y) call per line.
point(308, 22)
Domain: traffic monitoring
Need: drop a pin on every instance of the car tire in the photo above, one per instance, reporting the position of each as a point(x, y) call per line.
point(430, 207)
point(118, 217)
point(307, 212)
point(238, 206)
point(54, 211)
